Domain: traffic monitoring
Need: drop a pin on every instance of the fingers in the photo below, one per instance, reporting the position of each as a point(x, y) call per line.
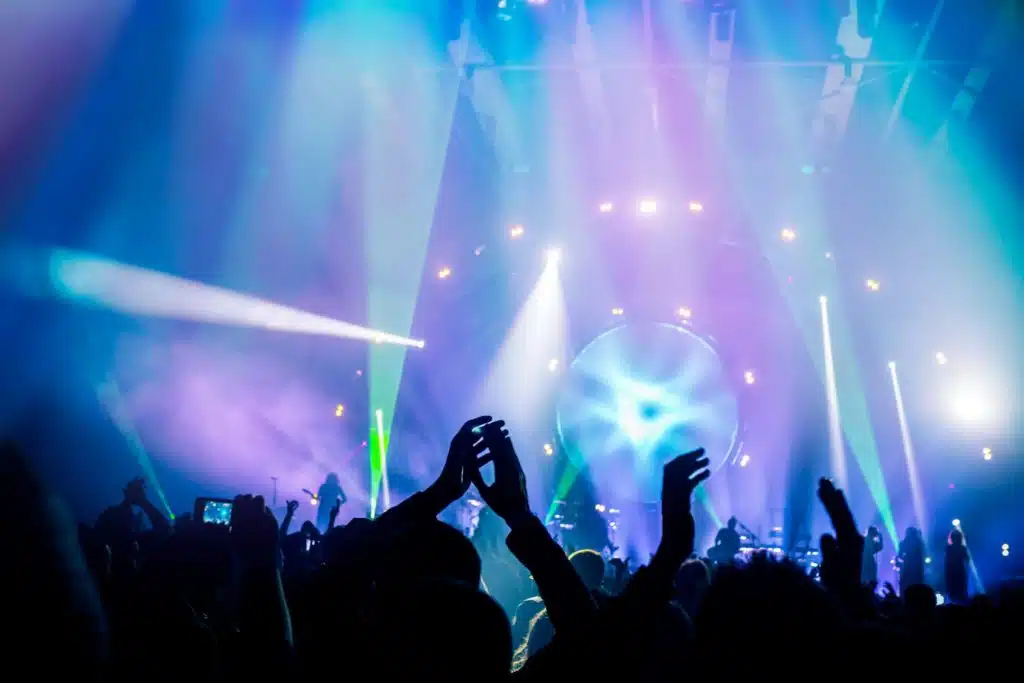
point(829, 546)
point(478, 481)
point(474, 424)
point(696, 479)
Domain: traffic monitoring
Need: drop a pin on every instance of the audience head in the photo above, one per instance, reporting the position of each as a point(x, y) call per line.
point(590, 566)
point(440, 630)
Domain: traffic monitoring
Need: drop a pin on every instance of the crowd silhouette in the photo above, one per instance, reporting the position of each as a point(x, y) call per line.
point(405, 597)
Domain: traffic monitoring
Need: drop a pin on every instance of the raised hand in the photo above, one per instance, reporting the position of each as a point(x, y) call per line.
point(254, 533)
point(135, 492)
point(292, 506)
point(841, 555)
point(455, 477)
point(507, 495)
point(680, 478)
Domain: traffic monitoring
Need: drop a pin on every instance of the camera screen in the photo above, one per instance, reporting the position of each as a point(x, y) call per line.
point(217, 512)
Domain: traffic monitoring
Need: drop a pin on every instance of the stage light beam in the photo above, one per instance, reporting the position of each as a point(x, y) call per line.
point(91, 280)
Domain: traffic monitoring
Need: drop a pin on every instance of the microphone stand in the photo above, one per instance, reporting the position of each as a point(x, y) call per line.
point(755, 541)
point(273, 500)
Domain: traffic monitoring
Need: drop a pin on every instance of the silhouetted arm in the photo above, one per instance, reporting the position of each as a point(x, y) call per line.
point(566, 598)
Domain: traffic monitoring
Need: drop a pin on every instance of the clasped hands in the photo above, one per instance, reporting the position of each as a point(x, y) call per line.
point(483, 440)
point(479, 442)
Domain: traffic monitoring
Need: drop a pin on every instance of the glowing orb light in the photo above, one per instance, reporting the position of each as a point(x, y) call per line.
point(638, 395)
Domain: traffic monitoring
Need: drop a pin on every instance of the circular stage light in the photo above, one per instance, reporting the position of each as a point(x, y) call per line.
point(638, 395)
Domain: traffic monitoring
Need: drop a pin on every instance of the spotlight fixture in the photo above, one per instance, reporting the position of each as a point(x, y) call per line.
point(617, 311)
point(647, 207)
point(956, 523)
point(444, 273)
point(823, 299)
point(872, 285)
point(787, 234)
point(684, 312)
point(986, 453)
point(748, 377)
point(549, 449)
point(339, 410)
point(696, 207)
point(516, 231)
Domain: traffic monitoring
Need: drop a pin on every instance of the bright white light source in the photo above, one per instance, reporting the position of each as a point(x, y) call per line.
point(986, 453)
point(600, 507)
point(956, 523)
point(684, 312)
point(606, 207)
point(970, 405)
point(549, 449)
point(788, 234)
point(554, 256)
point(872, 285)
point(823, 299)
point(444, 273)
point(748, 377)
point(647, 207)
point(552, 365)
point(940, 358)
point(744, 460)
point(339, 411)
point(617, 311)
point(516, 231)
point(696, 207)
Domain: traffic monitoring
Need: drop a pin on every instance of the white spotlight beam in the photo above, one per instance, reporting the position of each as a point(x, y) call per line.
point(835, 431)
point(86, 279)
point(916, 491)
point(520, 380)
